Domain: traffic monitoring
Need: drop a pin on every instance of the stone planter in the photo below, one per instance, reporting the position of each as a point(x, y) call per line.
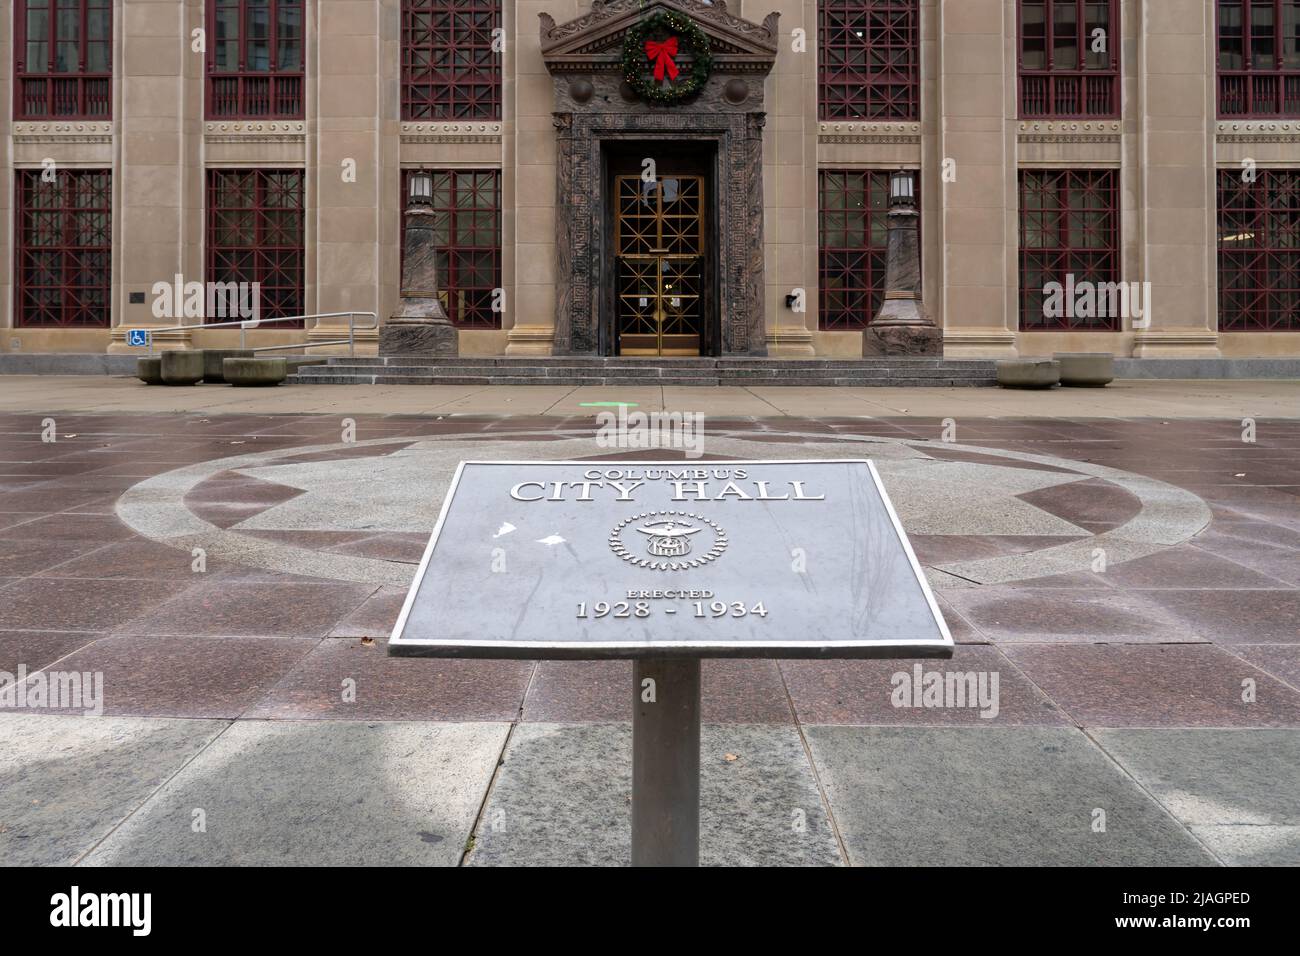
point(149, 370)
point(182, 367)
point(254, 372)
point(212, 359)
point(1029, 373)
point(1086, 369)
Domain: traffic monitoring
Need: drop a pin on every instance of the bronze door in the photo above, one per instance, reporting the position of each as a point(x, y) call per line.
point(659, 265)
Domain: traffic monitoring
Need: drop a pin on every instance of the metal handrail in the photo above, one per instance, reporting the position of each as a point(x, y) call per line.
point(246, 324)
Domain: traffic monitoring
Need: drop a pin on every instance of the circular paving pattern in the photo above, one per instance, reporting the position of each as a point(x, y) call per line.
point(976, 515)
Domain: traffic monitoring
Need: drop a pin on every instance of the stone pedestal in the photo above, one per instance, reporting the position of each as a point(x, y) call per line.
point(422, 327)
point(901, 329)
point(902, 341)
point(399, 337)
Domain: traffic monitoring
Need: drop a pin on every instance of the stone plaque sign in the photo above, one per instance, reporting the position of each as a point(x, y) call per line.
point(591, 559)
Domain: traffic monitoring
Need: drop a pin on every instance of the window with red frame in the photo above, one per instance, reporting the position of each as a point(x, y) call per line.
point(1259, 251)
point(869, 59)
point(853, 239)
point(1259, 58)
point(1069, 59)
point(449, 67)
point(1069, 234)
point(255, 234)
point(255, 59)
point(63, 59)
point(467, 230)
point(63, 233)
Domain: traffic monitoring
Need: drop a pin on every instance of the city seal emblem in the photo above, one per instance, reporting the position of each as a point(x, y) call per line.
point(669, 536)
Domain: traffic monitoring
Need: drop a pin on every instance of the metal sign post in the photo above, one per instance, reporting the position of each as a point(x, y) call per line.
point(666, 563)
point(666, 762)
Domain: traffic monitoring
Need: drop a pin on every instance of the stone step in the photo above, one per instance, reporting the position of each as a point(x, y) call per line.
point(893, 381)
point(649, 371)
point(691, 364)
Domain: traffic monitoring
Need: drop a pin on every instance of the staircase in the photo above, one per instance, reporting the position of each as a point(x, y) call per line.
point(582, 370)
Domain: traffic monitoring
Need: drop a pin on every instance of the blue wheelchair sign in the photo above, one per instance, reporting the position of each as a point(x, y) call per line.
point(138, 337)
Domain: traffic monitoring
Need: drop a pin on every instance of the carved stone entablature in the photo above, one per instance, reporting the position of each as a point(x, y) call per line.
point(1070, 131)
point(847, 131)
point(451, 132)
point(255, 131)
point(59, 132)
point(1258, 131)
point(596, 111)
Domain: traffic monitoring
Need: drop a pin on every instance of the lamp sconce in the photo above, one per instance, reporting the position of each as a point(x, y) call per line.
point(420, 187)
point(902, 188)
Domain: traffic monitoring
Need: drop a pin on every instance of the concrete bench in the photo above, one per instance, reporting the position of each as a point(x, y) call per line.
point(254, 372)
point(1086, 369)
point(182, 367)
point(212, 359)
point(1029, 373)
point(149, 370)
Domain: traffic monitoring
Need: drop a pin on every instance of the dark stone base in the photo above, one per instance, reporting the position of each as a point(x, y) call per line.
point(419, 339)
point(910, 341)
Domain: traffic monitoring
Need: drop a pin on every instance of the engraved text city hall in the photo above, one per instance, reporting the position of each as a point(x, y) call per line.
point(688, 484)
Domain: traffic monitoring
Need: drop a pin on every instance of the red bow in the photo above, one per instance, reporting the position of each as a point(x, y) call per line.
point(662, 53)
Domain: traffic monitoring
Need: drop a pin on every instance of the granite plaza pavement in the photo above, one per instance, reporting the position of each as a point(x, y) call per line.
point(1148, 709)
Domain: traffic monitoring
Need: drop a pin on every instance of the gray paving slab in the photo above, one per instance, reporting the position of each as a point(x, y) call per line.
point(1238, 790)
point(1009, 796)
point(335, 793)
point(1246, 845)
point(65, 782)
point(563, 796)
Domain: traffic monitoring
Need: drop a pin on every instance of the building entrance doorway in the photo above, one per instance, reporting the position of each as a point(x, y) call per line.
point(660, 299)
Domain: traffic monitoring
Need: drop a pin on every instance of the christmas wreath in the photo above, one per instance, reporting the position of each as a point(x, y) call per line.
point(650, 52)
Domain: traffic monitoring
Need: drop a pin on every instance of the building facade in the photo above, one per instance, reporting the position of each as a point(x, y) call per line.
point(647, 177)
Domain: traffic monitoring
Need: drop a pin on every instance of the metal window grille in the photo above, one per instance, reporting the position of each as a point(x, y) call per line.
point(255, 234)
point(63, 248)
point(1259, 251)
point(449, 67)
point(1069, 234)
point(853, 239)
point(869, 59)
